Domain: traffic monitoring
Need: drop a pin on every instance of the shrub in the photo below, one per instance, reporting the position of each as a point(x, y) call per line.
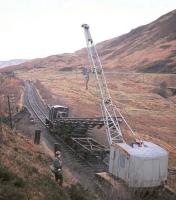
point(77, 192)
point(9, 192)
point(162, 90)
point(51, 189)
point(11, 185)
point(7, 177)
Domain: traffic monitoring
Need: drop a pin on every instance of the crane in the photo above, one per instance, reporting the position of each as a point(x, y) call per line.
point(142, 164)
point(109, 110)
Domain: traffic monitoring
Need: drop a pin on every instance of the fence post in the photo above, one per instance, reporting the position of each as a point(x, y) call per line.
point(37, 137)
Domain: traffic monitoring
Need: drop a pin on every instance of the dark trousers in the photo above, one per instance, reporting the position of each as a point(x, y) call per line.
point(59, 177)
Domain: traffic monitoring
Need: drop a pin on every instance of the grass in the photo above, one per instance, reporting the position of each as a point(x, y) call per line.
point(135, 94)
point(12, 186)
point(81, 195)
point(50, 189)
point(150, 115)
point(10, 87)
point(8, 176)
point(25, 173)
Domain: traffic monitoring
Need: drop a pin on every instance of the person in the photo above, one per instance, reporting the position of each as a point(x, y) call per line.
point(57, 168)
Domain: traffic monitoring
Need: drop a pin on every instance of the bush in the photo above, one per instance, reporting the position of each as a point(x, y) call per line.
point(7, 177)
point(77, 192)
point(9, 192)
point(162, 90)
point(51, 189)
point(11, 185)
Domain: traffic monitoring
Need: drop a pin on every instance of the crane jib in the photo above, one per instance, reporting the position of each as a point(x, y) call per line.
point(108, 109)
point(130, 162)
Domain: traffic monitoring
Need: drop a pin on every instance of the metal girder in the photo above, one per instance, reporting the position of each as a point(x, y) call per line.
point(84, 121)
point(90, 144)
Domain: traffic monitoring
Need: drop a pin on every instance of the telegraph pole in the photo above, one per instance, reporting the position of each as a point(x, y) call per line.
point(1, 132)
point(10, 114)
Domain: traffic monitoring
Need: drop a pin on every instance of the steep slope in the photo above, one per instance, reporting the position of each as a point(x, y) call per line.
point(25, 172)
point(148, 48)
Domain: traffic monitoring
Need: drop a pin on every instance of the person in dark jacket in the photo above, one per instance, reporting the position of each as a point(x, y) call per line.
point(57, 168)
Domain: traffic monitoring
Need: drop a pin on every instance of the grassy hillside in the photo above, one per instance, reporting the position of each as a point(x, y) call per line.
point(25, 173)
point(148, 48)
point(151, 115)
point(12, 62)
point(10, 87)
point(24, 167)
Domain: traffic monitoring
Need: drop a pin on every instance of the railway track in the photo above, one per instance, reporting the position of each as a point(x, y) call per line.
point(42, 115)
point(38, 108)
point(32, 103)
point(40, 102)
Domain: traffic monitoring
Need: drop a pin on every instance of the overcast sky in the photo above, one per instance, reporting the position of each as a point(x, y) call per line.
point(39, 28)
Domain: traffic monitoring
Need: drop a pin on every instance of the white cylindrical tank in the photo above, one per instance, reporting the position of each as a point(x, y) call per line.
point(139, 166)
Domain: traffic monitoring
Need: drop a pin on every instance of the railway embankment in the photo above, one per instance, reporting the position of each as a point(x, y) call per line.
point(25, 173)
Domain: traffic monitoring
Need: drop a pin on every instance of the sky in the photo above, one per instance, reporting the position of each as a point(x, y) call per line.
point(39, 28)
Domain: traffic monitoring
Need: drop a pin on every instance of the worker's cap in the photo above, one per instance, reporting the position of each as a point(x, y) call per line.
point(58, 153)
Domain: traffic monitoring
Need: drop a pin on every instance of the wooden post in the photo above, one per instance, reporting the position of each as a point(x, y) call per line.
point(10, 114)
point(57, 147)
point(76, 73)
point(37, 137)
point(1, 131)
point(0, 123)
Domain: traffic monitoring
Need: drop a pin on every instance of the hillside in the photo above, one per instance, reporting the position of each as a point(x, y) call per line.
point(12, 87)
point(25, 167)
point(25, 172)
point(141, 97)
point(148, 48)
point(137, 95)
point(11, 62)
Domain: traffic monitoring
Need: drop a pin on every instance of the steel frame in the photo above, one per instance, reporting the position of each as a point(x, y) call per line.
point(90, 145)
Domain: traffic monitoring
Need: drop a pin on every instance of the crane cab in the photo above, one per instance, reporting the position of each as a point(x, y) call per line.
point(139, 166)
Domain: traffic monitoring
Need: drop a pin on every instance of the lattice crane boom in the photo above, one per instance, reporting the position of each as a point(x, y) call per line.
point(109, 111)
point(130, 162)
